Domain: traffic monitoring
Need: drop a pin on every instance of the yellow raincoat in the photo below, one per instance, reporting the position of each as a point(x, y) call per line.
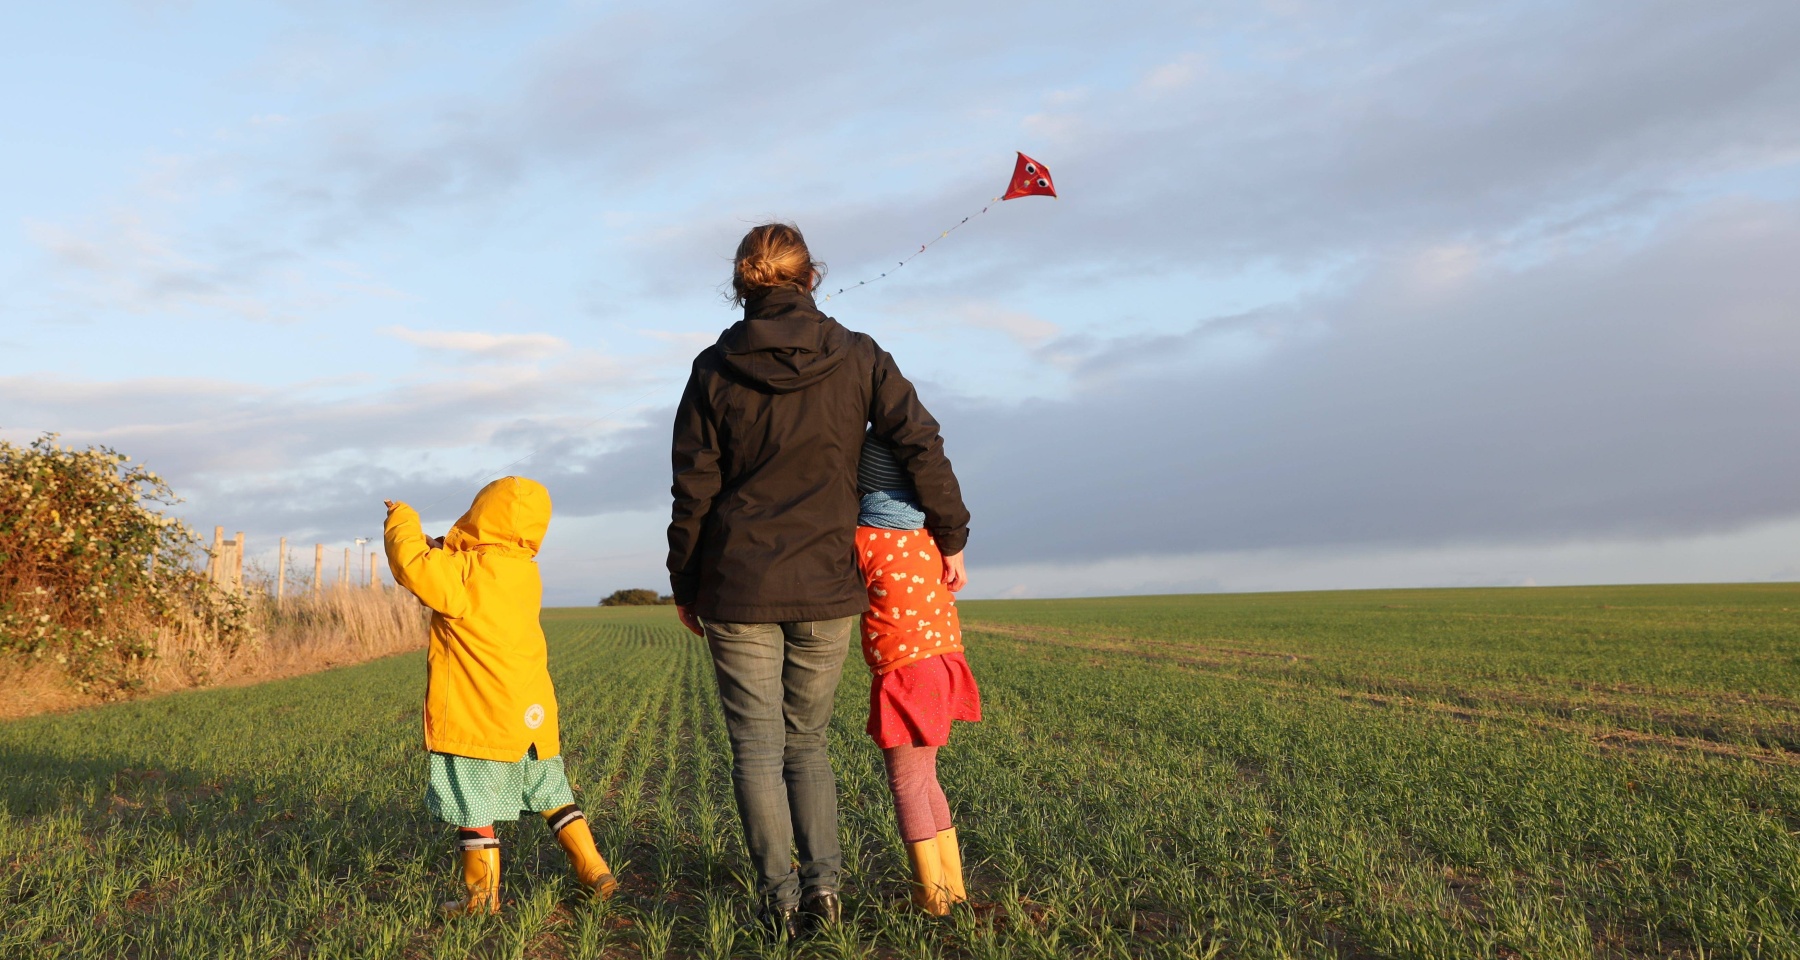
point(488, 693)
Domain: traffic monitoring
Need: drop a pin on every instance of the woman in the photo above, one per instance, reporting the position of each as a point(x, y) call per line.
point(761, 546)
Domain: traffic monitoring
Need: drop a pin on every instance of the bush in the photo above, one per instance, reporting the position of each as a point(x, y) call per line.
point(636, 598)
point(93, 576)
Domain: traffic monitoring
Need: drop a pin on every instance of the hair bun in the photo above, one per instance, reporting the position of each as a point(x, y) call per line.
point(773, 255)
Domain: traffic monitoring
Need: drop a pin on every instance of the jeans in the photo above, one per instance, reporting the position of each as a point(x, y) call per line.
point(777, 682)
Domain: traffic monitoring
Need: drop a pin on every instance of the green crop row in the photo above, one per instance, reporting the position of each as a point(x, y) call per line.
point(1423, 774)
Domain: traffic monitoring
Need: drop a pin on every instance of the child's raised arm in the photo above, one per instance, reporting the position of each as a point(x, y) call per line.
point(434, 576)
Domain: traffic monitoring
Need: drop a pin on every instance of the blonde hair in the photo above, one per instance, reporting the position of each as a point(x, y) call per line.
point(773, 255)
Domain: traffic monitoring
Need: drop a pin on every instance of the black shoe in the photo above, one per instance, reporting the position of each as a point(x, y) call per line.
point(820, 909)
point(780, 920)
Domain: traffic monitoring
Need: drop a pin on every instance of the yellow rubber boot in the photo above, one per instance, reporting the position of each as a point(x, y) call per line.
point(950, 855)
point(481, 879)
point(577, 840)
point(929, 894)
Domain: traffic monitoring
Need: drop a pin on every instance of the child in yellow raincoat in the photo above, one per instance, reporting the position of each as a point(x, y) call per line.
point(490, 711)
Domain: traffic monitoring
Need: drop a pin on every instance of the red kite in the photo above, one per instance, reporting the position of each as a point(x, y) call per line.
point(1030, 179)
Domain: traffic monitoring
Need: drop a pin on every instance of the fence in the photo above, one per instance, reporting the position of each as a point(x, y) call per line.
point(225, 566)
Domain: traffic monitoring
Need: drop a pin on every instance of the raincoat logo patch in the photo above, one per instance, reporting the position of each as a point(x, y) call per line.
point(534, 716)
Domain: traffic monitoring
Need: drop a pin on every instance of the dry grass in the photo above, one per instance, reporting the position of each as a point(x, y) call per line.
point(337, 627)
point(303, 635)
point(37, 687)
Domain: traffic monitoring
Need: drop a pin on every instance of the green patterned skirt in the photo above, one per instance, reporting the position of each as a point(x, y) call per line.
point(474, 793)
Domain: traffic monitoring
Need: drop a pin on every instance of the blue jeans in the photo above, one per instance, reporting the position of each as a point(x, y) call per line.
point(777, 682)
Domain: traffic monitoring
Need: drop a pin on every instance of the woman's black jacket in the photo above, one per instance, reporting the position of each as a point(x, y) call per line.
point(766, 444)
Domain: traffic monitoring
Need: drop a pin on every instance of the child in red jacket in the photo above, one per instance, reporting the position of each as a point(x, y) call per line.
point(912, 642)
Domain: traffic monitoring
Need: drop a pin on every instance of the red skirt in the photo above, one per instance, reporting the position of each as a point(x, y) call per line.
point(913, 705)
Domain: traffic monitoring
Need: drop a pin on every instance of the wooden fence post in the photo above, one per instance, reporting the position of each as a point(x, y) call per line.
point(237, 564)
point(281, 572)
point(344, 571)
point(318, 566)
point(373, 583)
point(214, 566)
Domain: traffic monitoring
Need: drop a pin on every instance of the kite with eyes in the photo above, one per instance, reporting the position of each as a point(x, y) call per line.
point(1030, 179)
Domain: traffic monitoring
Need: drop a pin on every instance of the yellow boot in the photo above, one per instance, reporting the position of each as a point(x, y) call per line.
point(577, 840)
point(481, 877)
point(950, 855)
point(929, 894)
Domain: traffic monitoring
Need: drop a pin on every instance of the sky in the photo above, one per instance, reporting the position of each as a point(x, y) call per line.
point(1335, 295)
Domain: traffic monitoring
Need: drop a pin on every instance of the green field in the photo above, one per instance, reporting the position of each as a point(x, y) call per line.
point(1533, 773)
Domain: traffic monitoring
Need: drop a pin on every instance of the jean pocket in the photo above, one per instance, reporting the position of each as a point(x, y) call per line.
point(828, 631)
point(731, 631)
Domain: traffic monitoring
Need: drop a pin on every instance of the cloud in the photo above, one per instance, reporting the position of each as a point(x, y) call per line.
point(1174, 75)
point(313, 456)
point(1632, 390)
point(123, 262)
point(1020, 326)
point(1248, 135)
point(1351, 134)
point(1641, 388)
point(483, 346)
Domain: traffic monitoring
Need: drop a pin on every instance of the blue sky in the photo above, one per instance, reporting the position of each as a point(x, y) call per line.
point(1336, 295)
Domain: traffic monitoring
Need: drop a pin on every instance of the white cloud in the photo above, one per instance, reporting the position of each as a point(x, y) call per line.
point(1023, 328)
point(1174, 75)
point(123, 263)
point(484, 346)
point(126, 262)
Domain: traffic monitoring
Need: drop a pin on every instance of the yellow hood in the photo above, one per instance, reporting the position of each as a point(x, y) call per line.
point(511, 513)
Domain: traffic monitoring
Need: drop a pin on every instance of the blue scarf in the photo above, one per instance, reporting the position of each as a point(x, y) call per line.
point(891, 510)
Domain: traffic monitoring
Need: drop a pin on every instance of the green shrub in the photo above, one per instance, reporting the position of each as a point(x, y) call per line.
point(93, 575)
point(636, 598)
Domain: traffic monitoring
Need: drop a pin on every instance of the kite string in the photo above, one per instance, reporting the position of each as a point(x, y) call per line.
point(922, 248)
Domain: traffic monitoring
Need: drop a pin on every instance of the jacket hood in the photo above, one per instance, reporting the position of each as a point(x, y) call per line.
point(511, 513)
point(784, 343)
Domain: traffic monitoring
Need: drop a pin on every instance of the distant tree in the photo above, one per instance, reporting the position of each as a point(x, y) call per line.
point(636, 598)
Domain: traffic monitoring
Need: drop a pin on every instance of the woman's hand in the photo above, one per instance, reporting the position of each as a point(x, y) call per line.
point(956, 576)
point(689, 621)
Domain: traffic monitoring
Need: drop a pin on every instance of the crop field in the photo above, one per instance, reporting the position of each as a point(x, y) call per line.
point(1534, 773)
